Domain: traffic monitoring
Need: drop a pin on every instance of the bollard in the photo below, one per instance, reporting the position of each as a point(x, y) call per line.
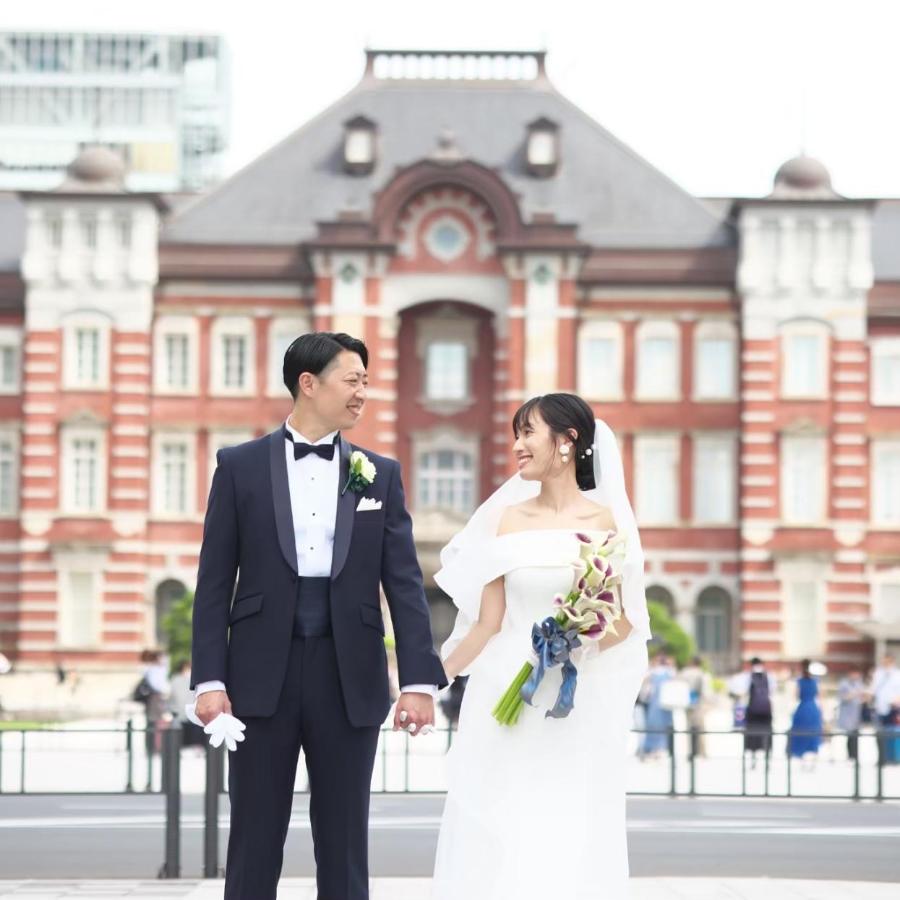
point(129, 750)
point(214, 768)
point(171, 764)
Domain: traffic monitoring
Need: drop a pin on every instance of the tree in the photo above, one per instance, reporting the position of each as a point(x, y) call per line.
point(176, 625)
point(668, 635)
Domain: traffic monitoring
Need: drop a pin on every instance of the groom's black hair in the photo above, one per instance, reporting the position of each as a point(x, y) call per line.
point(315, 351)
point(563, 414)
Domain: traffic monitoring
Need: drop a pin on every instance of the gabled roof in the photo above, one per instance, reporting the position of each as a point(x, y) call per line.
point(614, 196)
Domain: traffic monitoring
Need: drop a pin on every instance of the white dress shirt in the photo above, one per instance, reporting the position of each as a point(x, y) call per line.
point(313, 485)
point(885, 689)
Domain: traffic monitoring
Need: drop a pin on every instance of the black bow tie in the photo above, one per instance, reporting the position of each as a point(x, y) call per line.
point(326, 451)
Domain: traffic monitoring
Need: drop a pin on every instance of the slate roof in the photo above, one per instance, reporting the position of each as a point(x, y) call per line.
point(615, 197)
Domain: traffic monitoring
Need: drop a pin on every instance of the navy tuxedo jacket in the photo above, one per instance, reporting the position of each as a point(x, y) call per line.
point(242, 634)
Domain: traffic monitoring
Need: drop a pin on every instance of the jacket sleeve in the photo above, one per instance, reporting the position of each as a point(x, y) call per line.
point(219, 554)
point(401, 577)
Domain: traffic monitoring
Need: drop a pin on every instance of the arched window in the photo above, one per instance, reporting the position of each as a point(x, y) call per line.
point(167, 593)
point(713, 620)
point(656, 593)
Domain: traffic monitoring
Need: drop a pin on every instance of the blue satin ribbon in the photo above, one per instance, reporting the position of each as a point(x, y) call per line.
point(553, 646)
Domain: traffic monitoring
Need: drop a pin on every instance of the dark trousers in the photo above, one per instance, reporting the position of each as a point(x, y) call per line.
point(852, 744)
point(339, 761)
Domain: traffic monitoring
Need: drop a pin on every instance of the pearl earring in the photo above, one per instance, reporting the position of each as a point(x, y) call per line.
point(564, 452)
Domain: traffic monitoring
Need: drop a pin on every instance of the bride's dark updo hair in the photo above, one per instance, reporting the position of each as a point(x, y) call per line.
point(563, 414)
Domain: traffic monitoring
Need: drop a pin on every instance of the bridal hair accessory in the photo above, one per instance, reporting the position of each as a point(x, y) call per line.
point(223, 728)
point(589, 611)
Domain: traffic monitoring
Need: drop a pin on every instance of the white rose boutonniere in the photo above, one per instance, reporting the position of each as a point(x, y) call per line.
point(362, 472)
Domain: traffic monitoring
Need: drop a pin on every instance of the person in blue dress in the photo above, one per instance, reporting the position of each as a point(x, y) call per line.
point(806, 725)
point(657, 738)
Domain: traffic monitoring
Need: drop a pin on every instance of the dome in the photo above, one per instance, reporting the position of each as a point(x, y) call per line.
point(96, 168)
point(803, 175)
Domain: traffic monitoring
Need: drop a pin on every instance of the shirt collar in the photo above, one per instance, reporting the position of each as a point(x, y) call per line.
point(327, 439)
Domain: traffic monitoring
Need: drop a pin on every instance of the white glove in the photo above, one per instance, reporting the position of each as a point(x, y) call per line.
point(223, 728)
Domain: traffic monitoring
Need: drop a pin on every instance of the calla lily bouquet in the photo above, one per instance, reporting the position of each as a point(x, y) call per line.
point(587, 613)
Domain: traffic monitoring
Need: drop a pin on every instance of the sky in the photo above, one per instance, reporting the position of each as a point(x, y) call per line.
point(715, 93)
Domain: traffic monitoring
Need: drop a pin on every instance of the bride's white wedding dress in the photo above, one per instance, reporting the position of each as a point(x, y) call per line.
point(537, 810)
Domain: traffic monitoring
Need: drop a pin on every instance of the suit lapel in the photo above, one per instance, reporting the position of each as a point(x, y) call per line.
point(346, 509)
point(281, 498)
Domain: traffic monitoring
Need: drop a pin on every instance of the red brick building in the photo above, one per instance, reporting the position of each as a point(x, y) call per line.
point(490, 242)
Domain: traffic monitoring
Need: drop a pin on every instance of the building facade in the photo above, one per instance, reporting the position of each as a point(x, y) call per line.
point(490, 242)
point(160, 100)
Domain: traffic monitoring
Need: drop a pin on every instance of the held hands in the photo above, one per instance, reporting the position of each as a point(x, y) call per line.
point(414, 714)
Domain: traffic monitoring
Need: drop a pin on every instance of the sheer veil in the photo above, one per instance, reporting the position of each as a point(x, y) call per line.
point(461, 574)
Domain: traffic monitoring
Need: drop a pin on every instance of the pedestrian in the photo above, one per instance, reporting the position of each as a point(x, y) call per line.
point(700, 686)
point(180, 694)
point(806, 723)
point(657, 737)
point(758, 686)
point(851, 694)
point(885, 692)
point(155, 682)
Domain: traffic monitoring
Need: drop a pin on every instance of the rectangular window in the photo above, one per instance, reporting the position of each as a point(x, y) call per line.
point(89, 231)
point(79, 613)
point(446, 481)
point(657, 479)
point(804, 365)
point(886, 372)
point(802, 636)
point(886, 482)
point(85, 474)
point(8, 477)
point(887, 602)
point(234, 357)
point(715, 372)
point(87, 356)
point(657, 375)
point(600, 367)
point(714, 479)
point(9, 367)
point(54, 231)
point(124, 231)
point(278, 345)
point(803, 480)
point(446, 371)
point(174, 476)
point(177, 361)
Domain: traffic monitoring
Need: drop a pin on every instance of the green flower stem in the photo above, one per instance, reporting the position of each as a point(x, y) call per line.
point(507, 711)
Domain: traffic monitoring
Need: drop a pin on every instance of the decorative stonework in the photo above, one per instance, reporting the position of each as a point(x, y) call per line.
point(419, 222)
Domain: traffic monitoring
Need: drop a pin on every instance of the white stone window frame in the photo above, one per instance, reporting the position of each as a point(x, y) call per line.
point(244, 326)
point(729, 439)
point(446, 439)
point(72, 323)
point(188, 439)
point(67, 564)
point(879, 445)
point(11, 336)
point(816, 519)
point(68, 435)
point(216, 440)
point(651, 329)
point(803, 571)
point(279, 326)
point(443, 328)
point(710, 330)
point(184, 325)
point(880, 347)
point(601, 329)
point(646, 439)
point(10, 432)
point(800, 328)
point(878, 581)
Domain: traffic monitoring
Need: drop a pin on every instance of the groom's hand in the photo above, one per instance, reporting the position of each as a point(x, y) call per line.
point(210, 704)
point(419, 709)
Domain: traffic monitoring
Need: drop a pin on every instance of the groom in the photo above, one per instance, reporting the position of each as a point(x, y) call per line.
point(299, 654)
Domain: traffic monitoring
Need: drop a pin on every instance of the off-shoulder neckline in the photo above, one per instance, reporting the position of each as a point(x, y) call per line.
point(572, 531)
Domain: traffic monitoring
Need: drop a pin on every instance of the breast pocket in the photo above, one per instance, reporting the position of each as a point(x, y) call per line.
point(245, 606)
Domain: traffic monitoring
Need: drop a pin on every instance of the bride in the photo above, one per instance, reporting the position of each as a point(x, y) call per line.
point(537, 809)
